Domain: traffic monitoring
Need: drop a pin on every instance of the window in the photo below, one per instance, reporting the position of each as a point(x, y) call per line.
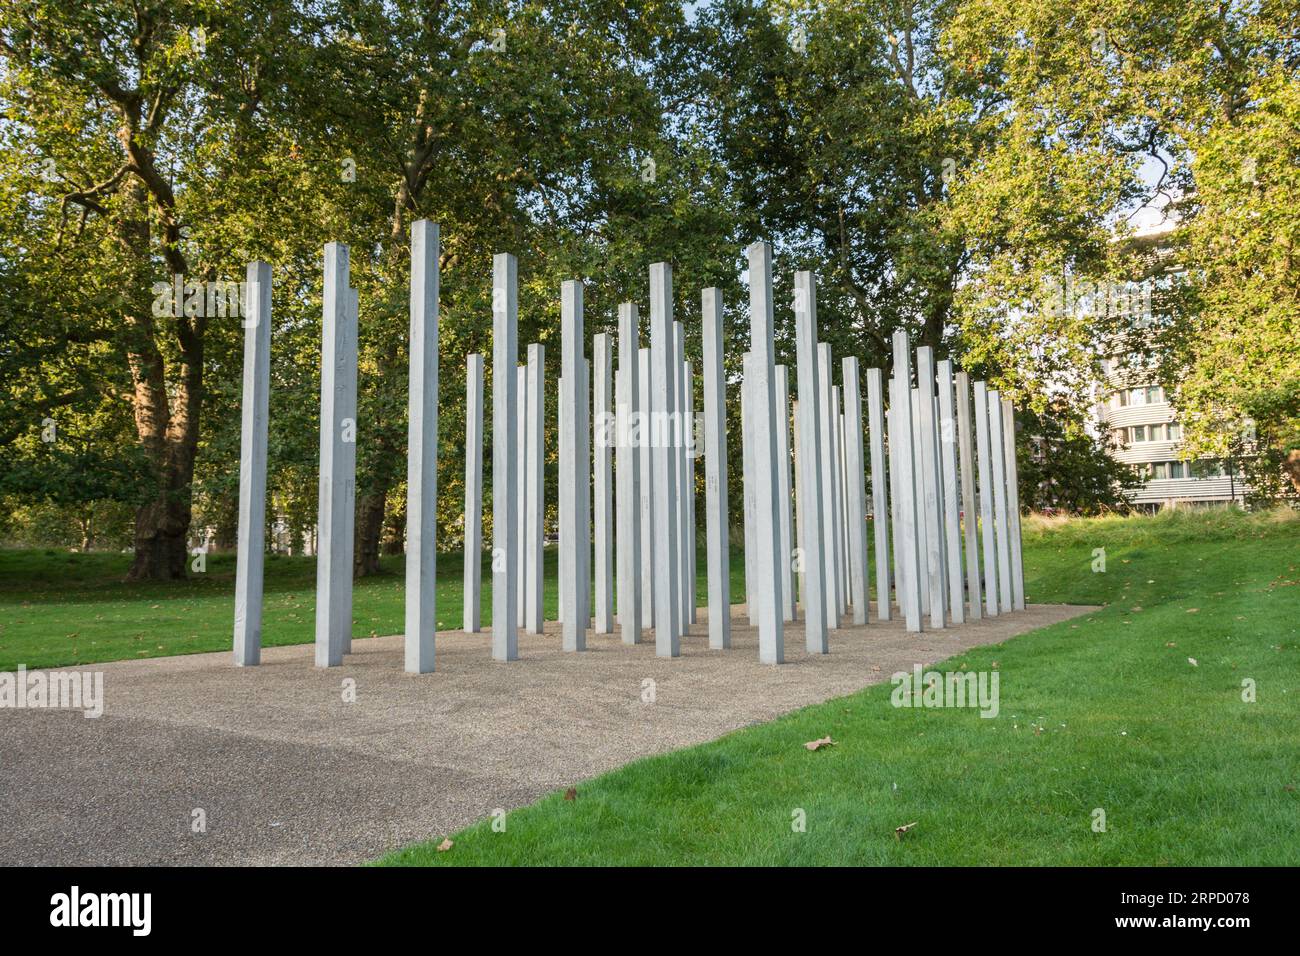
point(1139, 433)
point(1178, 469)
point(1121, 398)
point(1160, 469)
point(1154, 393)
point(1175, 431)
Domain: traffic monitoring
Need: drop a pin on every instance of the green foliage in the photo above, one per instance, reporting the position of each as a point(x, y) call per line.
point(1061, 467)
point(938, 164)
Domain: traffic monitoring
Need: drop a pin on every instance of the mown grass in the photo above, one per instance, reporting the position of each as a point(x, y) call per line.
point(59, 608)
point(1136, 710)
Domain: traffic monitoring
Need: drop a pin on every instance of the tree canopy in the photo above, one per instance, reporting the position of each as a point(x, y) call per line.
point(938, 163)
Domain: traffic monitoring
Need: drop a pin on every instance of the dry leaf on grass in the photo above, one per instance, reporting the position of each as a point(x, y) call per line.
point(899, 831)
point(819, 744)
point(445, 845)
point(1192, 661)
point(1193, 610)
point(571, 793)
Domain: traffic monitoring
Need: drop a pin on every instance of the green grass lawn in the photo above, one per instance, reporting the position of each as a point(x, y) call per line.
point(59, 608)
point(1107, 711)
point(1103, 712)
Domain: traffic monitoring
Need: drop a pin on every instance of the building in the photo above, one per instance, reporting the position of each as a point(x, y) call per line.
point(1134, 407)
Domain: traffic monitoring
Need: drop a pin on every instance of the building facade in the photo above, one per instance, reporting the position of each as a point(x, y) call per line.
point(1147, 436)
point(1134, 406)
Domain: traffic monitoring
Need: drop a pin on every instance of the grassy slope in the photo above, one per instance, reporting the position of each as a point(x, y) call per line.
point(1103, 712)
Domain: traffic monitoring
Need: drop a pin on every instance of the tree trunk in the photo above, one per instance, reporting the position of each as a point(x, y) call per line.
point(370, 522)
point(168, 429)
point(394, 541)
point(372, 503)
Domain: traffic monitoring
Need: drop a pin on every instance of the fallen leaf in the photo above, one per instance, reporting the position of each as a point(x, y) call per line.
point(819, 744)
point(571, 793)
point(1171, 644)
point(1192, 661)
point(1193, 610)
point(899, 831)
point(445, 845)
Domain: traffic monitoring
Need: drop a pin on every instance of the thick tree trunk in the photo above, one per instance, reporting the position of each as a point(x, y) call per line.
point(167, 427)
point(369, 525)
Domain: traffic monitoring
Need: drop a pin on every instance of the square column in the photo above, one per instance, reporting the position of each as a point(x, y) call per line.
point(692, 452)
point(666, 557)
point(748, 484)
point(643, 431)
point(879, 491)
point(628, 477)
point(1001, 517)
point(918, 475)
point(901, 450)
point(841, 551)
point(717, 522)
point(472, 617)
point(969, 521)
point(254, 412)
point(771, 634)
point(603, 510)
point(1013, 505)
point(782, 423)
point(931, 476)
point(584, 498)
point(855, 469)
point(812, 523)
point(831, 518)
point(572, 473)
point(951, 503)
point(685, 589)
point(422, 453)
point(988, 529)
point(505, 467)
point(521, 489)
point(534, 486)
point(338, 461)
point(796, 555)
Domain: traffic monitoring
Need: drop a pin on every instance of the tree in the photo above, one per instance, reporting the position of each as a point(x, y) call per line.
point(124, 109)
point(1061, 467)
